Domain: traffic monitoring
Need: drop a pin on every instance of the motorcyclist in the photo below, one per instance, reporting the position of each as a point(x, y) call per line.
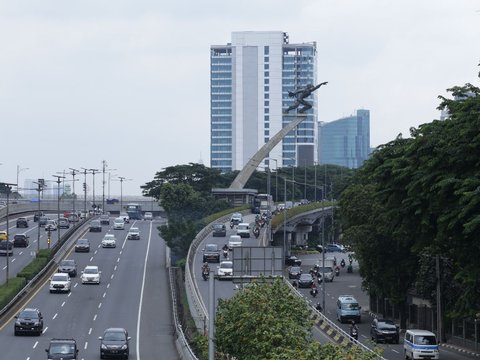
point(353, 330)
point(205, 268)
point(313, 290)
point(225, 247)
point(337, 270)
point(342, 263)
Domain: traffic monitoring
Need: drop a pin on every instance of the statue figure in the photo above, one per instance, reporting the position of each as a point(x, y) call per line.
point(300, 94)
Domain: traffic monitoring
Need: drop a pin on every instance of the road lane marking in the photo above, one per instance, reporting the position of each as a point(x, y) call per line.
point(35, 345)
point(111, 277)
point(63, 304)
point(104, 294)
point(95, 253)
point(108, 285)
point(21, 252)
point(54, 316)
point(13, 260)
point(118, 260)
point(95, 317)
point(90, 331)
point(45, 330)
point(91, 258)
point(76, 284)
point(86, 345)
point(115, 268)
point(398, 352)
point(121, 252)
point(99, 305)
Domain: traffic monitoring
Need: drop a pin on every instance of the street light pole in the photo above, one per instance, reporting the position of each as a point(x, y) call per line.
point(122, 179)
point(85, 171)
point(104, 165)
point(39, 189)
point(58, 206)
point(8, 187)
point(93, 194)
point(74, 196)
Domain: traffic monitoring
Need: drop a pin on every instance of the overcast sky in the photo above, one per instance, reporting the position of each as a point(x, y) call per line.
point(128, 81)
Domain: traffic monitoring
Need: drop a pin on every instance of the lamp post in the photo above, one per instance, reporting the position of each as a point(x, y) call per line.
point(94, 171)
point(122, 179)
point(40, 185)
point(85, 171)
point(19, 169)
point(58, 207)
point(276, 177)
point(8, 188)
point(74, 196)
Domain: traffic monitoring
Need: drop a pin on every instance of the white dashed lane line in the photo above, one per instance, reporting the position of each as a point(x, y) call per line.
point(35, 345)
point(95, 317)
point(54, 316)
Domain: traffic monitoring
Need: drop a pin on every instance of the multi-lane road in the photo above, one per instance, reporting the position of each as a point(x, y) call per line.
point(344, 284)
point(133, 294)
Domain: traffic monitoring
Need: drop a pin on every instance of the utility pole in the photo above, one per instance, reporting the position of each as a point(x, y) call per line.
point(41, 184)
point(439, 299)
point(122, 179)
point(58, 207)
point(74, 195)
point(104, 165)
point(85, 171)
point(93, 194)
point(8, 188)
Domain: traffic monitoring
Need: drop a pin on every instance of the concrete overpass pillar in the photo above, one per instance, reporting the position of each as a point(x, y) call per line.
point(301, 235)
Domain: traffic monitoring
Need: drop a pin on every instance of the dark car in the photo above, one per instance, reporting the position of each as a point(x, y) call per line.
point(37, 215)
point(104, 220)
point(82, 245)
point(29, 321)
point(294, 272)
point(292, 261)
point(68, 266)
point(95, 226)
point(6, 246)
point(219, 230)
point(64, 349)
point(22, 223)
point(20, 240)
point(384, 330)
point(43, 221)
point(63, 223)
point(305, 281)
point(211, 253)
point(114, 343)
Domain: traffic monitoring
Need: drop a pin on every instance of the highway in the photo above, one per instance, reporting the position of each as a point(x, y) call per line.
point(133, 294)
point(342, 285)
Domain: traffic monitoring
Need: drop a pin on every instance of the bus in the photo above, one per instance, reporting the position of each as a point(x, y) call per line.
point(134, 211)
point(262, 203)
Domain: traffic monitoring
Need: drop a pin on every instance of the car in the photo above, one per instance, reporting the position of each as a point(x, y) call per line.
point(43, 221)
point(118, 224)
point(37, 215)
point(63, 223)
point(243, 230)
point(219, 230)
point(62, 349)
point(384, 330)
point(68, 266)
point(82, 245)
point(236, 218)
point(305, 281)
point(73, 217)
point(91, 275)
point(21, 240)
point(234, 241)
point(51, 225)
point(125, 216)
point(60, 282)
point(294, 272)
point(148, 216)
point(83, 214)
point(112, 201)
point(28, 321)
point(291, 260)
point(211, 253)
point(95, 226)
point(22, 222)
point(109, 241)
point(114, 343)
point(6, 247)
point(334, 248)
point(133, 234)
point(326, 271)
point(225, 269)
point(3, 235)
point(104, 219)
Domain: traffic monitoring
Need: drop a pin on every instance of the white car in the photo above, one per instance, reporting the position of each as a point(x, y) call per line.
point(125, 217)
point(225, 268)
point(234, 241)
point(243, 230)
point(60, 282)
point(91, 275)
point(148, 216)
point(109, 241)
point(133, 234)
point(51, 225)
point(118, 224)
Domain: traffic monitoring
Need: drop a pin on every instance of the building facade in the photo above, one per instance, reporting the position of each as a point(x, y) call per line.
point(249, 83)
point(345, 142)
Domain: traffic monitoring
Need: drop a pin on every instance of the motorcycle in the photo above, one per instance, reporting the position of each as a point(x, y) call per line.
point(205, 274)
point(319, 278)
point(314, 292)
point(354, 332)
point(256, 231)
point(318, 306)
point(225, 254)
point(231, 224)
point(337, 271)
point(350, 269)
point(342, 263)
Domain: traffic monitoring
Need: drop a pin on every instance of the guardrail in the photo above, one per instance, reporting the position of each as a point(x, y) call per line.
point(329, 327)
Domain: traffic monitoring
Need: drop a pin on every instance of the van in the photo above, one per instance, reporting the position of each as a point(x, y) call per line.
point(234, 241)
point(420, 344)
point(118, 224)
point(348, 309)
point(243, 230)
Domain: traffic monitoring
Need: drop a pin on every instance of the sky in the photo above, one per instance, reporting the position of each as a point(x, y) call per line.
point(128, 81)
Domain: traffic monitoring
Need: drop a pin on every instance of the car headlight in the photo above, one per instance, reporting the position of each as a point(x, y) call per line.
point(124, 347)
point(104, 347)
point(17, 322)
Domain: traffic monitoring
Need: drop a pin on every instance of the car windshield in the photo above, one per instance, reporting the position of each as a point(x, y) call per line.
point(114, 336)
point(295, 269)
point(133, 230)
point(82, 242)
point(211, 247)
point(109, 237)
point(90, 271)
point(350, 306)
point(226, 265)
point(242, 227)
point(28, 314)
point(218, 227)
point(425, 340)
point(119, 221)
point(61, 349)
point(59, 278)
point(50, 222)
point(96, 223)
point(67, 263)
point(305, 277)
point(104, 217)
point(325, 269)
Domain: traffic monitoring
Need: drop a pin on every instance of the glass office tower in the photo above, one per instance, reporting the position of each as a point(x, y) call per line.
point(346, 141)
point(249, 83)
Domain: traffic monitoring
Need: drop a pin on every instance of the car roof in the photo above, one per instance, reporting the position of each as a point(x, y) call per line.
point(420, 332)
point(82, 240)
point(91, 267)
point(347, 299)
point(115, 329)
point(61, 274)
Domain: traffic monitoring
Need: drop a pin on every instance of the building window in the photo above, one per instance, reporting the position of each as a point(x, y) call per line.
point(266, 88)
point(265, 59)
point(266, 103)
point(267, 133)
point(267, 118)
point(266, 50)
point(266, 81)
point(266, 66)
point(267, 125)
point(266, 74)
point(266, 96)
point(266, 110)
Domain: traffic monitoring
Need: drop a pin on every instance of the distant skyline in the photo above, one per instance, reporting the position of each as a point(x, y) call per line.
point(128, 82)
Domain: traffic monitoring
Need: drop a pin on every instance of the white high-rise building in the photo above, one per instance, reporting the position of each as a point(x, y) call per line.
point(250, 81)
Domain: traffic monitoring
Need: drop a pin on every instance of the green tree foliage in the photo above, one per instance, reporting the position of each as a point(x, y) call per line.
point(417, 198)
point(267, 321)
